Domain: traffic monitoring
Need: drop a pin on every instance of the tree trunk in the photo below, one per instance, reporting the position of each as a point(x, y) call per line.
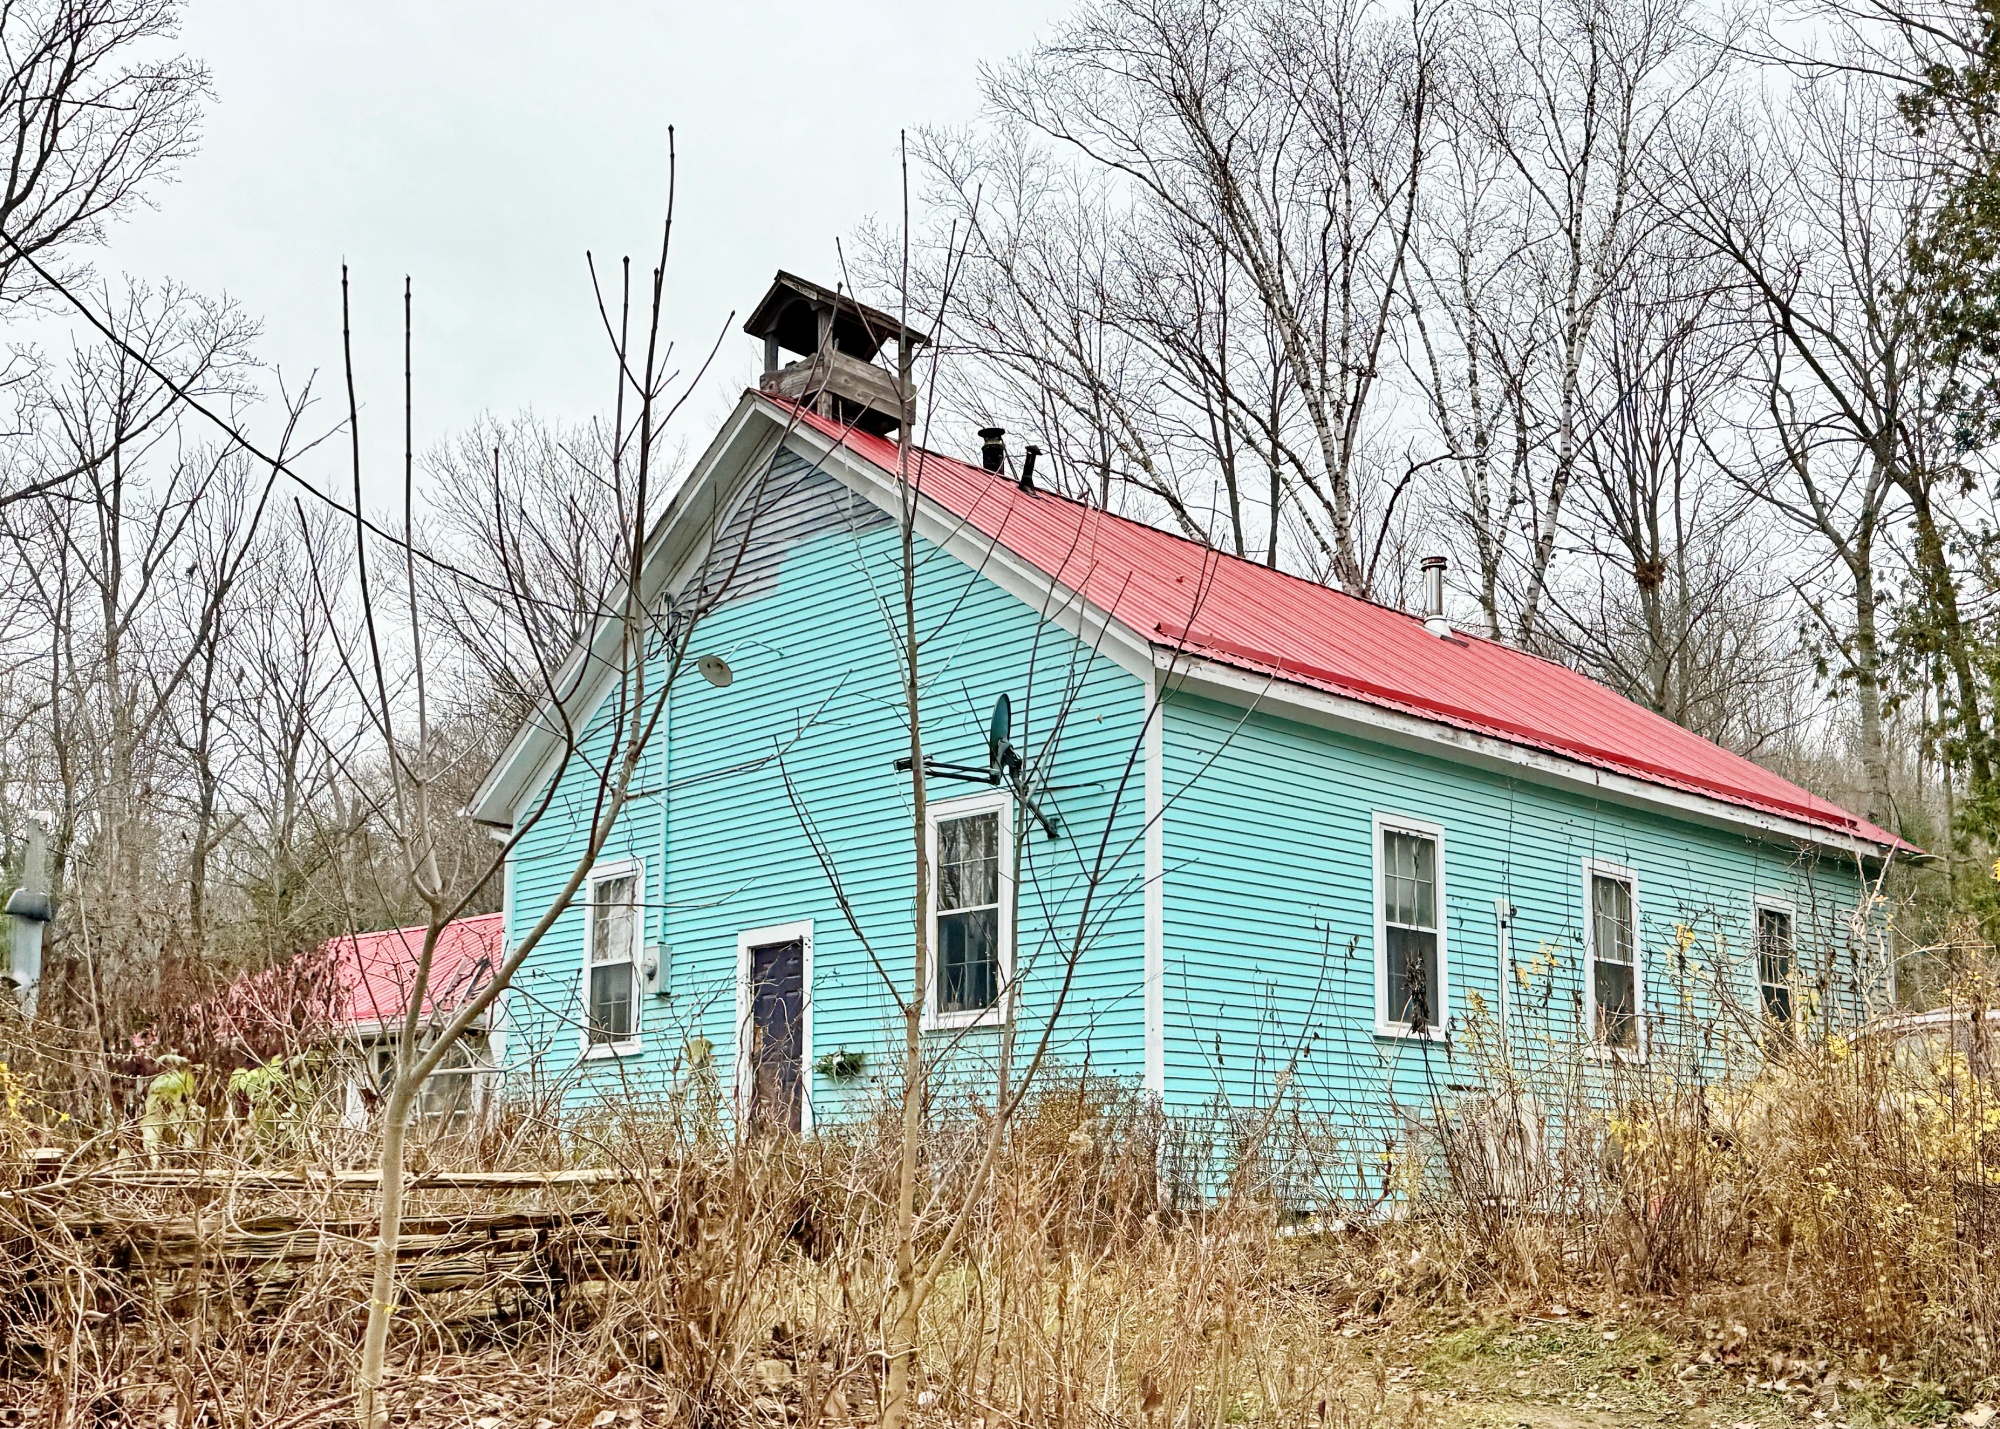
point(1940, 589)
point(900, 1345)
point(1868, 689)
point(372, 1411)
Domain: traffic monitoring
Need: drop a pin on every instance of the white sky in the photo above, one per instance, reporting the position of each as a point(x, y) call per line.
point(481, 148)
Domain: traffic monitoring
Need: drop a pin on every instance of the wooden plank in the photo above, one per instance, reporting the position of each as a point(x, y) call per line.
point(172, 1178)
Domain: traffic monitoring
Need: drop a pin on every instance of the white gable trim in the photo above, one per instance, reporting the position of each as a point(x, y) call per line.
point(676, 548)
point(681, 541)
point(1021, 579)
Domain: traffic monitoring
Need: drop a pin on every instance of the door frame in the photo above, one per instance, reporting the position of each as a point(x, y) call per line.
point(800, 932)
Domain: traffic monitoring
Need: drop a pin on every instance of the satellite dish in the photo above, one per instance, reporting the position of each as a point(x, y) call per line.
point(1000, 756)
point(716, 671)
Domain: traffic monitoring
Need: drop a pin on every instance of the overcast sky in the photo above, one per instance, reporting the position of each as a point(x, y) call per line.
point(482, 148)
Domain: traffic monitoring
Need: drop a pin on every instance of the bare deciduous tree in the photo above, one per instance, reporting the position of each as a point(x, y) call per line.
point(1813, 210)
point(1202, 307)
point(523, 506)
point(1557, 110)
point(91, 116)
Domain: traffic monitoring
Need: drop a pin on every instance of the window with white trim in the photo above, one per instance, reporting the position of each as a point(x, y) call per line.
point(969, 913)
point(612, 977)
point(1616, 995)
point(1774, 964)
point(1411, 968)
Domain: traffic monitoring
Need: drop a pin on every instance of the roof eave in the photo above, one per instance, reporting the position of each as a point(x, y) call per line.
point(1384, 725)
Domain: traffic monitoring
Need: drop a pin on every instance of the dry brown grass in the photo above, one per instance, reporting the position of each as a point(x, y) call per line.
point(1834, 1211)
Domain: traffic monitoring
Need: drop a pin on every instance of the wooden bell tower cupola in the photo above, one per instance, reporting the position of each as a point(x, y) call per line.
point(840, 372)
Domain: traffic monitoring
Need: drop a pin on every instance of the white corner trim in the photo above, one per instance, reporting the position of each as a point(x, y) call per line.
point(741, 1078)
point(498, 1023)
point(1382, 822)
point(1156, 891)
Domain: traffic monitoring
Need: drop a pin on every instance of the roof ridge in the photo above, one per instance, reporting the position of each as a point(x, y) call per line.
point(1495, 642)
point(1106, 513)
point(417, 927)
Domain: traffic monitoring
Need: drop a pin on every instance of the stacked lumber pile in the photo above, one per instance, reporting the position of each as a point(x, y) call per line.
point(518, 1236)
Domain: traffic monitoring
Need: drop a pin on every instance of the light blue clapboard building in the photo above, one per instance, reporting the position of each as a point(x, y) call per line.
point(1239, 838)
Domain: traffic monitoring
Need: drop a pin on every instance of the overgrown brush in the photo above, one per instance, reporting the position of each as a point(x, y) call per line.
point(1842, 1195)
point(1844, 1190)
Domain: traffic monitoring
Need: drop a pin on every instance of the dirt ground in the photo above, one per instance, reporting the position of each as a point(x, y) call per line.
point(1570, 1370)
point(1574, 1369)
point(1557, 1369)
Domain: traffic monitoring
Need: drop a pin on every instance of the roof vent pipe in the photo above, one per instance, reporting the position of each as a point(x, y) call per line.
point(1027, 482)
point(993, 448)
point(1434, 620)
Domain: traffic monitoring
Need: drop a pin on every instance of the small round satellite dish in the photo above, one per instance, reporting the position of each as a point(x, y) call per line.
point(715, 670)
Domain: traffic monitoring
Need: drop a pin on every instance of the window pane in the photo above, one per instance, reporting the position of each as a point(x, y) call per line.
point(969, 862)
point(611, 925)
point(611, 1002)
point(1774, 945)
point(968, 960)
point(1774, 964)
point(1617, 1009)
point(1412, 978)
point(1409, 880)
point(1611, 919)
point(447, 1097)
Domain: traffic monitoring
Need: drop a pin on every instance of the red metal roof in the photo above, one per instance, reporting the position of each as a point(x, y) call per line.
point(1181, 595)
point(377, 971)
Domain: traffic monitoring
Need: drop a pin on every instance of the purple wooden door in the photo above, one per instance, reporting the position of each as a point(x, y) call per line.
point(778, 1035)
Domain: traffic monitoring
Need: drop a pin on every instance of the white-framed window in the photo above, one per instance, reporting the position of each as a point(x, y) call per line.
point(455, 1094)
point(1776, 940)
point(971, 926)
point(613, 919)
point(1615, 974)
point(1412, 969)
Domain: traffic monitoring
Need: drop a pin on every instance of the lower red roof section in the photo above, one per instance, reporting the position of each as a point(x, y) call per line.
point(1181, 595)
point(377, 971)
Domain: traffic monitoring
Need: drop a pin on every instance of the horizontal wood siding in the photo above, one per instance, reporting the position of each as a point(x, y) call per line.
point(1270, 923)
point(805, 738)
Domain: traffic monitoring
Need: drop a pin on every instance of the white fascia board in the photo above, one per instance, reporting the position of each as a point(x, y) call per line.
point(1189, 674)
point(1154, 964)
point(379, 1027)
point(531, 754)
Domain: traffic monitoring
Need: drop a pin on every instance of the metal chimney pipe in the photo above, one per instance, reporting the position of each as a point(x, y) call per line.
point(993, 448)
point(1434, 621)
point(1029, 453)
